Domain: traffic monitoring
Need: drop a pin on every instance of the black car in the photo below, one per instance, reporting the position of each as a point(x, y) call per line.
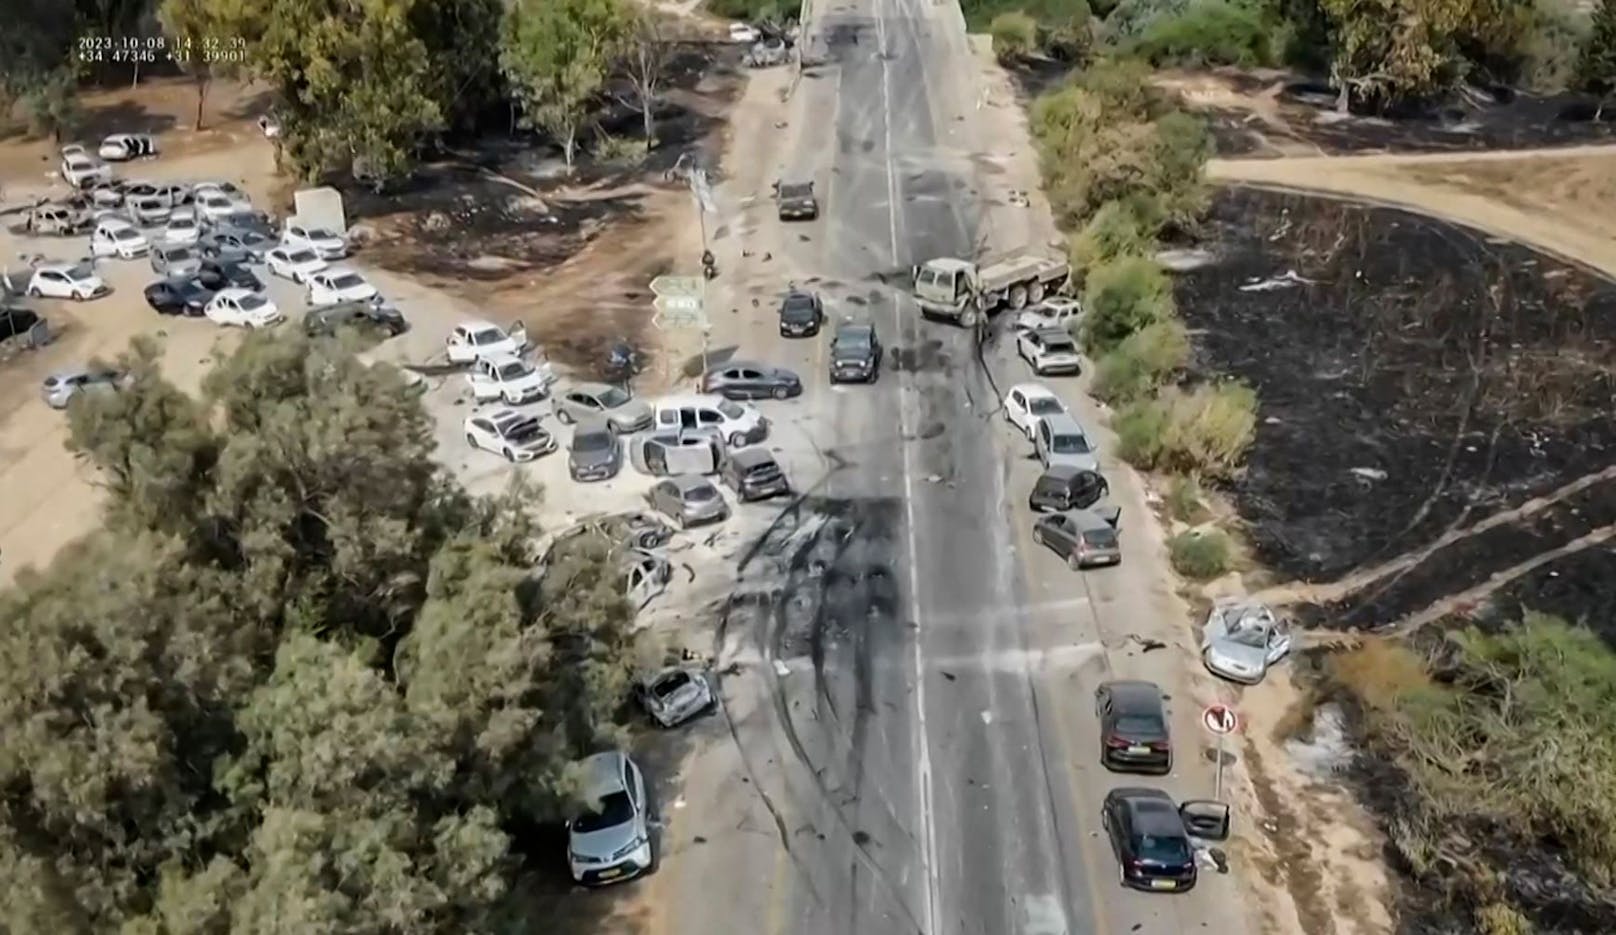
point(754, 475)
point(236, 245)
point(1067, 487)
point(362, 315)
point(16, 320)
point(801, 315)
point(1133, 727)
point(226, 274)
point(745, 379)
point(855, 354)
point(1149, 836)
point(188, 297)
point(796, 201)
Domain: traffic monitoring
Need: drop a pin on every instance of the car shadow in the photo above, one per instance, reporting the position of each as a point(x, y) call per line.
point(122, 117)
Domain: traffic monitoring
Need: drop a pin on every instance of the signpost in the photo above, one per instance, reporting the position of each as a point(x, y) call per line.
point(1222, 721)
point(681, 303)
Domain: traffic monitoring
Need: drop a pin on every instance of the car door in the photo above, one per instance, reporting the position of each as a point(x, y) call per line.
point(1018, 409)
point(1279, 641)
point(665, 499)
point(484, 381)
point(483, 431)
point(1116, 826)
point(709, 419)
point(1102, 710)
point(1205, 819)
point(753, 383)
point(656, 458)
point(1061, 533)
point(1041, 441)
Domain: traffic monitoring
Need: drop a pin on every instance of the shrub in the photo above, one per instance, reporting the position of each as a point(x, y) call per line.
point(1502, 919)
point(1175, 173)
point(1199, 554)
point(1015, 35)
point(1184, 501)
point(1121, 297)
point(1126, 227)
point(1142, 362)
point(1552, 46)
point(1130, 19)
point(1596, 63)
point(619, 151)
point(1208, 32)
point(753, 11)
point(1203, 431)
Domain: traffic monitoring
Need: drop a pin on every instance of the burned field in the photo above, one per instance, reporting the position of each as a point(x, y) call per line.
point(1426, 397)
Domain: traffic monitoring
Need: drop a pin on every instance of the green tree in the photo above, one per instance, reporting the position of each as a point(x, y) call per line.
point(1389, 50)
point(462, 43)
point(52, 101)
point(193, 25)
point(557, 55)
point(1596, 68)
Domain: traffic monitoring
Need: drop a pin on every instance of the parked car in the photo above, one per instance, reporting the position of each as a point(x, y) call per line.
point(795, 201)
point(54, 220)
point(675, 696)
point(745, 379)
point(1059, 439)
point(512, 379)
point(754, 474)
point(182, 228)
point(82, 170)
point(736, 423)
point(115, 238)
point(326, 244)
point(120, 147)
point(175, 260)
point(666, 452)
point(1134, 734)
point(611, 841)
point(633, 529)
point(618, 407)
point(330, 319)
point(227, 274)
point(801, 314)
point(1049, 351)
point(514, 434)
point(106, 193)
point(1027, 403)
point(1068, 487)
point(294, 263)
point(855, 354)
point(230, 243)
point(1081, 538)
point(214, 206)
point(60, 387)
point(645, 576)
point(689, 500)
point(177, 296)
point(1241, 639)
point(476, 340)
point(244, 308)
point(595, 453)
point(743, 33)
point(67, 281)
point(1150, 839)
point(339, 284)
point(1058, 312)
point(229, 191)
point(147, 210)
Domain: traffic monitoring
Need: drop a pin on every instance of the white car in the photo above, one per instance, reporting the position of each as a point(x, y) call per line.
point(229, 191)
point(743, 33)
point(1059, 312)
point(214, 205)
point(1027, 403)
point(294, 263)
point(336, 284)
point(236, 306)
point(121, 146)
point(511, 379)
point(80, 169)
point(182, 229)
point(481, 340)
point(119, 238)
point(328, 245)
point(1049, 351)
point(1242, 639)
point(66, 281)
point(516, 435)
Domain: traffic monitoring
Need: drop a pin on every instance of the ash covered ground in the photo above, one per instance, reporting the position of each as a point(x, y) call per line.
point(1415, 379)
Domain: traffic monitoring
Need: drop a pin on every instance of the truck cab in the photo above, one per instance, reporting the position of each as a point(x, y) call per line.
point(944, 286)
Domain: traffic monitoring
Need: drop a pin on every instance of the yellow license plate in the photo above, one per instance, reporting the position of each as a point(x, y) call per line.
point(1139, 751)
point(1164, 884)
point(609, 874)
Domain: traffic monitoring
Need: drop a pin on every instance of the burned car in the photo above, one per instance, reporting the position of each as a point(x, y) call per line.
point(1242, 639)
point(795, 201)
point(675, 696)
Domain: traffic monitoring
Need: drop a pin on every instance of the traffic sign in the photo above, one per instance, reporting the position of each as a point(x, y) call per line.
point(1220, 719)
point(679, 311)
point(671, 286)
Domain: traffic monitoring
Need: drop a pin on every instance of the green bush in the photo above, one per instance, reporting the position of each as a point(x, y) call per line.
point(752, 11)
point(1203, 431)
point(1200, 554)
point(1130, 19)
point(1048, 14)
point(1123, 296)
point(1142, 362)
point(1208, 32)
point(1184, 501)
point(1126, 227)
point(1175, 173)
point(1553, 43)
point(1015, 35)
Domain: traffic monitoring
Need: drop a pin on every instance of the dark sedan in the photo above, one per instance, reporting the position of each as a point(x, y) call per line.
point(741, 379)
point(226, 274)
point(362, 315)
point(855, 354)
point(1149, 837)
point(186, 297)
point(1133, 727)
point(1067, 487)
point(801, 315)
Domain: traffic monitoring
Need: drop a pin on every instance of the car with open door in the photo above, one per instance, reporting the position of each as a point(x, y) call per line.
point(1134, 733)
point(478, 340)
point(1069, 487)
point(1154, 838)
point(1242, 638)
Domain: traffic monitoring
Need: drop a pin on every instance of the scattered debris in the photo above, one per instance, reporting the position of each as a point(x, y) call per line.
point(1283, 281)
point(987, 717)
point(698, 839)
point(1018, 198)
point(781, 669)
point(1368, 474)
point(948, 675)
point(1145, 643)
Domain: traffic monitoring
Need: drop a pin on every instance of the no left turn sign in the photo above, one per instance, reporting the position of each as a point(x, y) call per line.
point(1220, 719)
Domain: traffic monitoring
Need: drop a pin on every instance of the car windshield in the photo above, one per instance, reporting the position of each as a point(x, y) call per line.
point(1059, 346)
point(80, 272)
point(614, 809)
point(302, 256)
point(178, 253)
point(730, 410)
point(181, 223)
point(487, 336)
point(613, 397)
point(1162, 849)
point(797, 306)
point(320, 233)
point(853, 340)
point(216, 200)
point(1071, 445)
point(796, 191)
point(1045, 406)
point(1101, 538)
point(250, 302)
point(513, 370)
point(592, 441)
point(348, 281)
point(671, 683)
point(1249, 636)
point(1138, 726)
point(524, 430)
point(125, 233)
point(700, 494)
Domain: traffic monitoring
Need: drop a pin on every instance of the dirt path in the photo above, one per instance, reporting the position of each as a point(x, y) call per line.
point(1560, 201)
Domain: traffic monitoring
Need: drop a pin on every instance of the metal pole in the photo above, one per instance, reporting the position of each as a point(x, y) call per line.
point(1217, 789)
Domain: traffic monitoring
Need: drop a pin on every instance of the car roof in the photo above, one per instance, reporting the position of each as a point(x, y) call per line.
point(592, 389)
point(477, 324)
point(334, 271)
point(752, 457)
point(690, 481)
point(1088, 520)
point(1062, 423)
point(691, 399)
point(1064, 472)
point(235, 292)
point(602, 774)
point(59, 266)
point(500, 360)
point(743, 362)
point(1034, 389)
point(1053, 333)
point(854, 327)
point(592, 425)
point(1135, 695)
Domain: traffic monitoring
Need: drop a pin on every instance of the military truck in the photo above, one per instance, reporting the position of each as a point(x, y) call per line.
point(964, 292)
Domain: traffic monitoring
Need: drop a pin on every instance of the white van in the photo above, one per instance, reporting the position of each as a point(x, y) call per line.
point(736, 423)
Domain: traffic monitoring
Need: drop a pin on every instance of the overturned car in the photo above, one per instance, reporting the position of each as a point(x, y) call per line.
point(675, 696)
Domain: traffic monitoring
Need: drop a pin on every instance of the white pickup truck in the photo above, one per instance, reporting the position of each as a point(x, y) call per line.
point(963, 291)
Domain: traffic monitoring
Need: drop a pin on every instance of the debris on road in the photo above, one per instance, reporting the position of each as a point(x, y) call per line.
point(781, 669)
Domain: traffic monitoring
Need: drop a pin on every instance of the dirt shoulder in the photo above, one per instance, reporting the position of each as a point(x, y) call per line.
point(1559, 201)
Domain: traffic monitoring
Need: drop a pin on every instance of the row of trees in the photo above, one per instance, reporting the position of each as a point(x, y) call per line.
point(301, 682)
point(364, 86)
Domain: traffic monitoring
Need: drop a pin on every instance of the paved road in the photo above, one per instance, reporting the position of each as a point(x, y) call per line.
point(908, 745)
